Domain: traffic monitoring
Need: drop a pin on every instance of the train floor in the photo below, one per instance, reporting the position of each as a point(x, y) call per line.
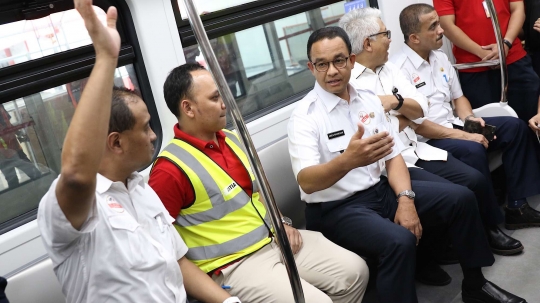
point(519, 274)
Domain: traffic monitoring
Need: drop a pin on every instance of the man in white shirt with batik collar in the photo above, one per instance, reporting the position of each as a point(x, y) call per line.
point(340, 141)
point(108, 235)
point(370, 40)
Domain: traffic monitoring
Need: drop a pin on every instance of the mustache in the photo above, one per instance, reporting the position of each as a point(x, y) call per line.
point(440, 37)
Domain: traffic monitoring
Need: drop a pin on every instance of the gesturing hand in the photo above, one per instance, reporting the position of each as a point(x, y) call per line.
point(362, 152)
point(106, 39)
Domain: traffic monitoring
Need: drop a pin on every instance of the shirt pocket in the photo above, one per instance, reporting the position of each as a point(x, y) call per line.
point(127, 235)
point(337, 145)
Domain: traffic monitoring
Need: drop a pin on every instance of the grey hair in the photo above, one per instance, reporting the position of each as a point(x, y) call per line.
point(359, 24)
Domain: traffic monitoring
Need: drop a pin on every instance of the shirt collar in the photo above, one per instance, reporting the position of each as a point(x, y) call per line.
point(330, 100)
point(413, 56)
point(359, 69)
point(196, 142)
point(103, 184)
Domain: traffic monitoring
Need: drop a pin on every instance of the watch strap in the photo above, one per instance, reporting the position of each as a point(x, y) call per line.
point(400, 100)
point(508, 43)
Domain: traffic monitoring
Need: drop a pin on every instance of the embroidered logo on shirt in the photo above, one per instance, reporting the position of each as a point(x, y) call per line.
point(337, 134)
point(416, 78)
point(117, 207)
point(227, 190)
point(364, 117)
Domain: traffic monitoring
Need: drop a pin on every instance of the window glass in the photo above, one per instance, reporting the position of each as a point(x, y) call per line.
point(266, 64)
point(32, 131)
point(27, 40)
point(205, 7)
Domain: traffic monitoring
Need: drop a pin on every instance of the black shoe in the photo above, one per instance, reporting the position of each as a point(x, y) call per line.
point(430, 273)
point(489, 293)
point(522, 217)
point(501, 243)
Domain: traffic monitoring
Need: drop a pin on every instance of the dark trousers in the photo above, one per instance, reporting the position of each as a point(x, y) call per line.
point(520, 156)
point(363, 223)
point(482, 88)
point(3, 284)
point(457, 172)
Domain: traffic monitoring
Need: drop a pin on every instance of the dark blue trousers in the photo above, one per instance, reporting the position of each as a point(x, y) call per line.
point(363, 223)
point(520, 156)
point(460, 173)
point(482, 88)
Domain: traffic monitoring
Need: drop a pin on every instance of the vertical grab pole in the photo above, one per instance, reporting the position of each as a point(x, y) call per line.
point(219, 78)
point(500, 46)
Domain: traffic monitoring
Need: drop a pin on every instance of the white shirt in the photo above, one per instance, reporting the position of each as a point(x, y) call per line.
point(382, 82)
point(437, 80)
point(126, 251)
point(321, 115)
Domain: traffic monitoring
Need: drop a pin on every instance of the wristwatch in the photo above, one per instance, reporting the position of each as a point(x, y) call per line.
point(286, 220)
point(508, 43)
point(399, 98)
point(408, 193)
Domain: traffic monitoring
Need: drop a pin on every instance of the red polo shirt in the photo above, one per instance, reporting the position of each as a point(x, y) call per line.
point(471, 19)
point(172, 185)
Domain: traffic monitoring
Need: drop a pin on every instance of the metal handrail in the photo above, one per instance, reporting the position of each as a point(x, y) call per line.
point(224, 90)
point(500, 46)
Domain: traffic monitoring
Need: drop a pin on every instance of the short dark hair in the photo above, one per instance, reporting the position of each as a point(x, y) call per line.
point(178, 85)
point(409, 18)
point(327, 33)
point(122, 118)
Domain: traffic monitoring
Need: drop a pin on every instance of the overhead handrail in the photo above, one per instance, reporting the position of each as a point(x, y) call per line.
point(500, 45)
point(224, 90)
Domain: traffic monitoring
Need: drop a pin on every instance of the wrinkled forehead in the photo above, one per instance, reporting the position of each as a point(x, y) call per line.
point(329, 49)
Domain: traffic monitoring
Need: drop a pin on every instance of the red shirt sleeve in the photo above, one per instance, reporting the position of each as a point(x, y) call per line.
point(172, 186)
point(444, 7)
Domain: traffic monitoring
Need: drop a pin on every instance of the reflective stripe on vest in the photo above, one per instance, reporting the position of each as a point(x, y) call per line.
point(221, 225)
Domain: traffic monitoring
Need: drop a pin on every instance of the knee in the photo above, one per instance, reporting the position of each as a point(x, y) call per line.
point(475, 180)
point(403, 243)
point(463, 197)
point(476, 153)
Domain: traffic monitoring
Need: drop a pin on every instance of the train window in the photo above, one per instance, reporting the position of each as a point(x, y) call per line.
point(32, 131)
point(27, 40)
point(204, 6)
point(266, 65)
point(46, 57)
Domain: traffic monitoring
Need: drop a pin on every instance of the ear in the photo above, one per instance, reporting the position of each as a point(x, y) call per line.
point(311, 67)
point(367, 45)
point(114, 143)
point(414, 39)
point(352, 58)
point(186, 108)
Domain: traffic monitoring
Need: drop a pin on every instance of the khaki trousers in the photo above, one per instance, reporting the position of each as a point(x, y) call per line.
point(329, 273)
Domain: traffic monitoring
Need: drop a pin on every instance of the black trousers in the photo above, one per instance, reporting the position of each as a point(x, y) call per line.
point(363, 223)
point(482, 88)
point(457, 172)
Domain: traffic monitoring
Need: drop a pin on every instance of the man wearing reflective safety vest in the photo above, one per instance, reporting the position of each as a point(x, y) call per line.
point(205, 180)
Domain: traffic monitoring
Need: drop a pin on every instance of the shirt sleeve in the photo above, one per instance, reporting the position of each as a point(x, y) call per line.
point(453, 82)
point(398, 145)
point(407, 89)
point(57, 232)
point(172, 186)
point(303, 142)
point(180, 246)
point(444, 7)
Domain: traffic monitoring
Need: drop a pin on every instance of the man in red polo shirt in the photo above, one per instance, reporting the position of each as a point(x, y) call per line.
point(204, 179)
point(467, 25)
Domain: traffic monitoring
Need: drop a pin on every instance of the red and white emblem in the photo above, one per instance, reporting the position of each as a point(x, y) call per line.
point(416, 78)
point(364, 117)
point(113, 204)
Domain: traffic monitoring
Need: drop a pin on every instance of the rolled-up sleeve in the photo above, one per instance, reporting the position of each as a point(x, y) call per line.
point(303, 142)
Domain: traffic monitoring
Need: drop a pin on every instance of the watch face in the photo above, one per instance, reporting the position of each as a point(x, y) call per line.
point(411, 194)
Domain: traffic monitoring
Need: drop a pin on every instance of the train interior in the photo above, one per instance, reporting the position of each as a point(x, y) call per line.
point(46, 57)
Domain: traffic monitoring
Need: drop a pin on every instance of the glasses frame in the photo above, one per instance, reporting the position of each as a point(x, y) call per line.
point(333, 63)
point(388, 34)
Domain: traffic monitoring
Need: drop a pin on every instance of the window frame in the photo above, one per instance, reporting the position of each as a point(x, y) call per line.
point(241, 17)
point(27, 78)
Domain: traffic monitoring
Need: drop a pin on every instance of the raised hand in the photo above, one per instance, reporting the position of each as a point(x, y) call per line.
point(362, 152)
point(106, 39)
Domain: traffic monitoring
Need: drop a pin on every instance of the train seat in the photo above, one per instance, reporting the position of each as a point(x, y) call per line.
point(277, 167)
point(493, 110)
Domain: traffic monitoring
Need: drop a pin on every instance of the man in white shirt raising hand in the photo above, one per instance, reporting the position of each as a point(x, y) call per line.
point(108, 235)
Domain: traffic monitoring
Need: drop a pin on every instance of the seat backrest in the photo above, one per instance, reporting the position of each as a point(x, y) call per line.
point(277, 167)
point(494, 110)
point(37, 283)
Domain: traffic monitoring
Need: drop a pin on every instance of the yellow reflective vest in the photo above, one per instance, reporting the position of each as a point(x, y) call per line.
point(224, 223)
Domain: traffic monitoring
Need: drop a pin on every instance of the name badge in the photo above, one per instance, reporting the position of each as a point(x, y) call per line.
point(420, 84)
point(337, 134)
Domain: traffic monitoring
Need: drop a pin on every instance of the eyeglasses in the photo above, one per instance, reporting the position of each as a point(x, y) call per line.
point(338, 63)
point(387, 33)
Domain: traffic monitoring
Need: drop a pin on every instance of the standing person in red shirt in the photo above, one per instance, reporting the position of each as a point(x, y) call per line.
point(204, 179)
point(466, 24)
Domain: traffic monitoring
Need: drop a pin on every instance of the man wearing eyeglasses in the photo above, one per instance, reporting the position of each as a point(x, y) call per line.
point(373, 72)
point(340, 142)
